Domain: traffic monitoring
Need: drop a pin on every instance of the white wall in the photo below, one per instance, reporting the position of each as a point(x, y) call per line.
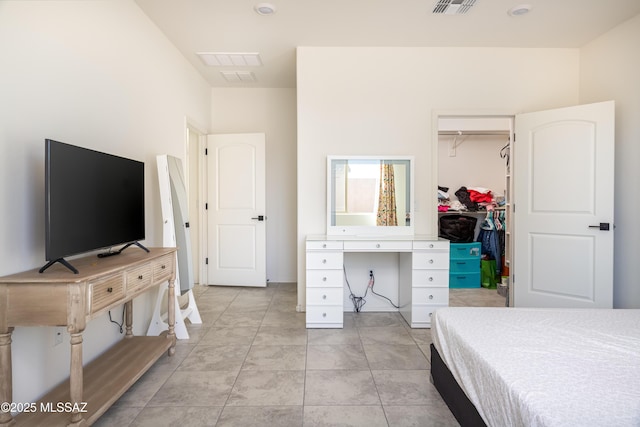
point(97, 74)
point(476, 163)
point(609, 69)
point(272, 111)
point(369, 101)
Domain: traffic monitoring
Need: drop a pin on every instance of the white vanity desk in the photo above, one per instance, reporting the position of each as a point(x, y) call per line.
point(423, 282)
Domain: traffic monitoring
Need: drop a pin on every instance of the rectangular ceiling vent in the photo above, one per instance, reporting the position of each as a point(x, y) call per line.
point(453, 7)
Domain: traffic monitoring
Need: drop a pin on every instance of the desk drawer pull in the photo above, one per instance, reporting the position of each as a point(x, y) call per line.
point(324, 297)
point(140, 277)
point(324, 261)
point(430, 296)
point(324, 314)
point(109, 290)
point(163, 266)
point(431, 279)
point(430, 261)
point(377, 245)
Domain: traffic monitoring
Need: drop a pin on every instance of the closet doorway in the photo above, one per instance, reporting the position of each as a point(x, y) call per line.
point(473, 192)
point(560, 176)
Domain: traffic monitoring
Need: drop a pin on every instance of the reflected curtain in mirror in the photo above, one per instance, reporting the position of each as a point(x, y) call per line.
point(387, 213)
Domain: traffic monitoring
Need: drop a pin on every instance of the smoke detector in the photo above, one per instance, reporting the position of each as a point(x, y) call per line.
point(453, 7)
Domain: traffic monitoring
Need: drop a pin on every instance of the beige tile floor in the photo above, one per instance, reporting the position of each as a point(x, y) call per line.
point(252, 362)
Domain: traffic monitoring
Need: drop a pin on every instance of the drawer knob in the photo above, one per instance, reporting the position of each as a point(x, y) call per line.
point(431, 279)
point(431, 245)
point(430, 314)
point(140, 277)
point(324, 297)
point(324, 279)
point(430, 296)
point(324, 245)
point(163, 266)
point(109, 290)
point(430, 261)
point(324, 314)
point(324, 261)
point(377, 245)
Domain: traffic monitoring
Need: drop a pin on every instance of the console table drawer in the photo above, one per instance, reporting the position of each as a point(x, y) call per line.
point(162, 268)
point(106, 292)
point(435, 278)
point(324, 260)
point(430, 296)
point(377, 245)
point(138, 278)
point(324, 245)
point(324, 296)
point(324, 278)
point(438, 260)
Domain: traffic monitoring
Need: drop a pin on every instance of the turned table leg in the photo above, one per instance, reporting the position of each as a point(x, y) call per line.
point(128, 307)
point(76, 377)
point(6, 382)
point(171, 315)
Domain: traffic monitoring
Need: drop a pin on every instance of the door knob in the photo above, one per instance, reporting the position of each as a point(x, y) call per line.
point(604, 226)
point(259, 217)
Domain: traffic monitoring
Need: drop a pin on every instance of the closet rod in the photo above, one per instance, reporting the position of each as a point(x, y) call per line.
point(474, 132)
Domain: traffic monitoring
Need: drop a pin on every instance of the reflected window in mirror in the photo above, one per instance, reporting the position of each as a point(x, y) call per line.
point(369, 195)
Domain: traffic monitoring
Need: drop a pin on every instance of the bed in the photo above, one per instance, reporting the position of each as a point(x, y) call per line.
point(538, 367)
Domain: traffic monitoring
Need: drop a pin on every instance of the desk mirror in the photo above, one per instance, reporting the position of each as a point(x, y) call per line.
point(369, 196)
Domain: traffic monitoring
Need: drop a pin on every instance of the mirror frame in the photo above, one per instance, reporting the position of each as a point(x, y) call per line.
point(366, 230)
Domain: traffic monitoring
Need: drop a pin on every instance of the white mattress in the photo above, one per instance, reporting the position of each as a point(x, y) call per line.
point(544, 367)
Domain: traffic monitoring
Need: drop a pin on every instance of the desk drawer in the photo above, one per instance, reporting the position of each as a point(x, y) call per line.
point(329, 314)
point(430, 296)
point(378, 245)
point(324, 296)
point(423, 313)
point(162, 267)
point(324, 279)
point(324, 260)
point(324, 245)
point(437, 260)
point(431, 244)
point(138, 278)
point(106, 292)
point(435, 278)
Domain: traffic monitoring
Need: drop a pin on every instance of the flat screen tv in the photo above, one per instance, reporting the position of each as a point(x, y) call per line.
point(94, 200)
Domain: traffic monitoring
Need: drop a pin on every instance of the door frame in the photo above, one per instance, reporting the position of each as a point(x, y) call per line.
point(433, 191)
point(196, 190)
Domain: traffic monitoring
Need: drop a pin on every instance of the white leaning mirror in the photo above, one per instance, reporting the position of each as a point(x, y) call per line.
point(370, 195)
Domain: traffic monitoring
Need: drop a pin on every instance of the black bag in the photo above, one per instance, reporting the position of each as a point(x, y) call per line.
point(457, 228)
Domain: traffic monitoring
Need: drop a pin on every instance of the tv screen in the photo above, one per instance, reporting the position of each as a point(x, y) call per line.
point(93, 200)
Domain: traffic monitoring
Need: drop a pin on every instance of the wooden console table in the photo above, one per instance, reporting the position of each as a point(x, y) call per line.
point(58, 297)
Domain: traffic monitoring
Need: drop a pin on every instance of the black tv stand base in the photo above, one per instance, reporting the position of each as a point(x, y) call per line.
point(61, 261)
point(119, 251)
point(100, 255)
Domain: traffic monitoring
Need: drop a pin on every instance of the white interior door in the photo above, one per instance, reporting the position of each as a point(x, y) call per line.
point(236, 209)
point(563, 192)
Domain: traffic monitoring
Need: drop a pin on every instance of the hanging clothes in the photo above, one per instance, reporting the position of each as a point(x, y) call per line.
point(489, 239)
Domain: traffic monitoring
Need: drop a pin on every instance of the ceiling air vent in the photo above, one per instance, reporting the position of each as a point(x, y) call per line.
point(453, 7)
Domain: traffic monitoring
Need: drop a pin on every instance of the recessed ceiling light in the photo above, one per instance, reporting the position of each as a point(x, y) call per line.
point(265, 9)
point(519, 10)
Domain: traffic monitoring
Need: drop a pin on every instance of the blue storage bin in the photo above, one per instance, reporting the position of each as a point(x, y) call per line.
point(464, 265)
point(465, 250)
point(468, 280)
